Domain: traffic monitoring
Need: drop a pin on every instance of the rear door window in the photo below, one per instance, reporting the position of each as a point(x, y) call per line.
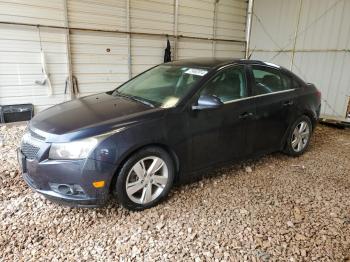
point(269, 80)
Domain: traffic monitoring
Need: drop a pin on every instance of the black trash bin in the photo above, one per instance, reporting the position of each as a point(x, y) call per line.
point(15, 113)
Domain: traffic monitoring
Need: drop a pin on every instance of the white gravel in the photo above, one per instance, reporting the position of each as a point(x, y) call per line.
point(274, 208)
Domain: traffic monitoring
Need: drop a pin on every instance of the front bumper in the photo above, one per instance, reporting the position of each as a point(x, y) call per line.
point(41, 175)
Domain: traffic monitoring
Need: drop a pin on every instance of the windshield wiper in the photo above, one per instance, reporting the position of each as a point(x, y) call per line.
point(134, 98)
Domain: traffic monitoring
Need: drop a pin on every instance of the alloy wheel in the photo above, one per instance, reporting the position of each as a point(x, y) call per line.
point(146, 180)
point(300, 136)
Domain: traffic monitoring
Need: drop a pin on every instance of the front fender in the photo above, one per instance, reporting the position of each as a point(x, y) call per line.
point(119, 145)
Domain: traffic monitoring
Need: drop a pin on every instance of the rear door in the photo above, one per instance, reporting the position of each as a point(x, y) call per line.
point(275, 100)
point(220, 135)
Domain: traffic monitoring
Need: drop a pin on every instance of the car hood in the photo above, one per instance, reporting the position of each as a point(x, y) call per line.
point(88, 116)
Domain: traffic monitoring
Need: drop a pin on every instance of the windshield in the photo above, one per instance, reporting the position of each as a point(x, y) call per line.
point(162, 86)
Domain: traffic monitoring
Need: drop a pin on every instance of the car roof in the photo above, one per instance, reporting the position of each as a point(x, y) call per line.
point(210, 62)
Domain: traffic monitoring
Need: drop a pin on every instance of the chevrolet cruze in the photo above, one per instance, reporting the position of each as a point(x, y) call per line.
point(166, 126)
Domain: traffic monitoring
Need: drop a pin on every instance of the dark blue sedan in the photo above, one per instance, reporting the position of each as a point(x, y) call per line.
point(166, 125)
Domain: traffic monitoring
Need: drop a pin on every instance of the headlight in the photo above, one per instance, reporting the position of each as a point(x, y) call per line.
point(78, 149)
point(73, 150)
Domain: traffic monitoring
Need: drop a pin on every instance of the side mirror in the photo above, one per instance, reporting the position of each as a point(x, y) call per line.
point(207, 102)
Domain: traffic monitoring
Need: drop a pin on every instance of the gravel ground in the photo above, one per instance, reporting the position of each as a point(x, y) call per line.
point(273, 208)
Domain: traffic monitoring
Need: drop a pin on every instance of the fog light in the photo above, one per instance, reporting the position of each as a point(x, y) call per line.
point(98, 184)
point(66, 189)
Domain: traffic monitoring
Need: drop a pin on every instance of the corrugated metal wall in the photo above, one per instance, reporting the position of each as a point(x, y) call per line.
point(102, 60)
point(20, 64)
point(196, 18)
point(312, 37)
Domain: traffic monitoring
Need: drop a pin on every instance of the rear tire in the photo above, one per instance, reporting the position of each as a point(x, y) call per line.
point(299, 136)
point(145, 179)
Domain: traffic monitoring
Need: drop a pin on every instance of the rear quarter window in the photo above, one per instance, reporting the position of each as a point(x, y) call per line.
point(297, 83)
point(287, 81)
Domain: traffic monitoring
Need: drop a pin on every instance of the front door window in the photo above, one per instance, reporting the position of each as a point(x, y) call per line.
point(228, 85)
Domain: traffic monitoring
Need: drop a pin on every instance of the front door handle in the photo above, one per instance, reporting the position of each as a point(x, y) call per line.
point(246, 115)
point(288, 103)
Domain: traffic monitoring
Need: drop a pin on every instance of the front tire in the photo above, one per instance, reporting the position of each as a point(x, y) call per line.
point(145, 179)
point(299, 136)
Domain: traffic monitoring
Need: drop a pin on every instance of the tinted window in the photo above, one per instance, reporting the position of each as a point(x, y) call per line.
point(228, 85)
point(163, 85)
point(296, 83)
point(268, 80)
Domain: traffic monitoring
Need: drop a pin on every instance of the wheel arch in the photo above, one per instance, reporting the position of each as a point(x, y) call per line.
point(166, 148)
point(312, 118)
point(288, 130)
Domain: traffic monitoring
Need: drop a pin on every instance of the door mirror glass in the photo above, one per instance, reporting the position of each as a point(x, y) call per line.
point(207, 102)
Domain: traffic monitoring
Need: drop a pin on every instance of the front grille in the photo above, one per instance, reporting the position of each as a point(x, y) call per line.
point(30, 151)
point(35, 135)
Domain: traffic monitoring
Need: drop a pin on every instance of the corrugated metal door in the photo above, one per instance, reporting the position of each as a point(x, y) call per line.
point(230, 24)
point(149, 17)
point(224, 19)
point(99, 59)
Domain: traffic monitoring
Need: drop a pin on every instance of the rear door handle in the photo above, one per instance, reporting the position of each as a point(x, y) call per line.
point(288, 103)
point(246, 115)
